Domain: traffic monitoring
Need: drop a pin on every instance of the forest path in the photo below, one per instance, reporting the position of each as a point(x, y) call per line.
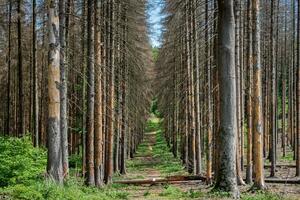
point(153, 160)
point(142, 166)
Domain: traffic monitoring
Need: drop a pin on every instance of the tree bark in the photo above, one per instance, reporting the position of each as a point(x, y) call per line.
point(257, 100)
point(249, 94)
point(111, 81)
point(226, 179)
point(90, 178)
point(63, 89)
point(298, 95)
point(7, 131)
point(21, 116)
point(98, 103)
point(54, 166)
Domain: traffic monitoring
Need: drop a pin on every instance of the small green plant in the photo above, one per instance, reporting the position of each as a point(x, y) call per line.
point(147, 193)
point(170, 191)
point(20, 161)
point(194, 194)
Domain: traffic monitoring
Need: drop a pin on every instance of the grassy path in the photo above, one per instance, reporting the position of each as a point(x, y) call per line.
point(153, 160)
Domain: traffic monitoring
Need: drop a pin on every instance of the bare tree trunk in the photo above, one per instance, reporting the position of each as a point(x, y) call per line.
point(21, 118)
point(7, 131)
point(283, 79)
point(298, 95)
point(35, 79)
point(249, 94)
point(90, 178)
point(197, 91)
point(54, 166)
point(83, 33)
point(238, 92)
point(98, 103)
point(208, 103)
point(124, 83)
point(110, 113)
point(273, 91)
point(226, 179)
point(257, 101)
point(63, 89)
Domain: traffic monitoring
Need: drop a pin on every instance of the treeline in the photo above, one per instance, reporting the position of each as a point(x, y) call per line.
point(74, 76)
point(228, 86)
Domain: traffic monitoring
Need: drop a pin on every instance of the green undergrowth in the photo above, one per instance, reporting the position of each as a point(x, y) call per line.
point(165, 162)
point(168, 165)
point(20, 163)
point(73, 189)
point(22, 176)
point(153, 124)
point(173, 192)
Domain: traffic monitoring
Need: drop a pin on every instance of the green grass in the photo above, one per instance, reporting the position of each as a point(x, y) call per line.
point(172, 192)
point(261, 196)
point(73, 189)
point(168, 165)
point(289, 157)
point(22, 176)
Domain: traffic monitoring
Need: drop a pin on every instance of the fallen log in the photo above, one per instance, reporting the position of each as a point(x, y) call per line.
point(169, 180)
point(283, 181)
point(192, 179)
point(279, 166)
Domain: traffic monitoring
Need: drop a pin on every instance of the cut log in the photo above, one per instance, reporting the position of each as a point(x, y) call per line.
point(283, 181)
point(191, 180)
point(169, 180)
point(279, 166)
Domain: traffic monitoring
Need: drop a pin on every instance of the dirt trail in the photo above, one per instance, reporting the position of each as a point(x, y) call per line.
point(153, 161)
point(147, 159)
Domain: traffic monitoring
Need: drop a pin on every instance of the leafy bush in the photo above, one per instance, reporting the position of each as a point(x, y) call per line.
point(75, 161)
point(20, 161)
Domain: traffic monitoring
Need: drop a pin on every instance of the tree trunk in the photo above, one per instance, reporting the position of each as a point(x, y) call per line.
point(111, 81)
point(21, 116)
point(98, 103)
point(298, 95)
point(7, 131)
point(249, 94)
point(63, 89)
point(257, 100)
point(226, 179)
point(54, 166)
point(90, 178)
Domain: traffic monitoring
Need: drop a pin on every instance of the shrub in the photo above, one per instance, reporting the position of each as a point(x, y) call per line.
point(20, 161)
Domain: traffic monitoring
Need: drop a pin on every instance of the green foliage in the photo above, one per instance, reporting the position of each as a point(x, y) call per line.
point(20, 161)
point(168, 164)
point(73, 189)
point(289, 157)
point(171, 191)
point(154, 108)
point(75, 161)
point(175, 193)
point(147, 193)
point(152, 125)
point(155, 53)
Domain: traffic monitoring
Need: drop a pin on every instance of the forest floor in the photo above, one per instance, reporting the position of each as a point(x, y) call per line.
point(153, 160)
point(22, 175)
